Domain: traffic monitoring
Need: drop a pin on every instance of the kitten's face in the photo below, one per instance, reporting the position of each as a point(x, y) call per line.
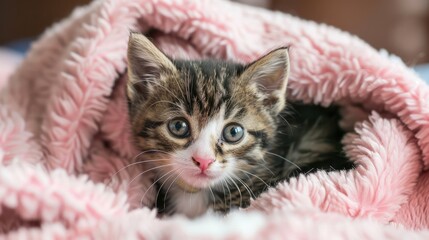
point(203, 123)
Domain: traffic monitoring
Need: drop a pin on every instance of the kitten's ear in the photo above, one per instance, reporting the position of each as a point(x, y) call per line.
point(147, 66)
point(270, 75)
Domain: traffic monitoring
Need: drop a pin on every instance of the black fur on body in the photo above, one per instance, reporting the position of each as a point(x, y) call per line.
point(279, 140)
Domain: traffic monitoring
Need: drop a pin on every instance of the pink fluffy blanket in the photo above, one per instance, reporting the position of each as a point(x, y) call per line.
point(64, 145)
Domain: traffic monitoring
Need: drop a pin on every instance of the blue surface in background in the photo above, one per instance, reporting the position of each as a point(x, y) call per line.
point(423, 71)
point(22, 46)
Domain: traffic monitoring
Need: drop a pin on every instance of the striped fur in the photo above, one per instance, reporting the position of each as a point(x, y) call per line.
point(278, 141)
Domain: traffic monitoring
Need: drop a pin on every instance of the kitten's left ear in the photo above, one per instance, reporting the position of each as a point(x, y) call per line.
point(270, 75)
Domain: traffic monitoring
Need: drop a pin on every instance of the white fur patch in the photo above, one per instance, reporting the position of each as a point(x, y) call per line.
point(202, 147)
point(191, 204)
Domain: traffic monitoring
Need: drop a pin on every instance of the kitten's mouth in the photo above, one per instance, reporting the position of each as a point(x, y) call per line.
point(204, 176)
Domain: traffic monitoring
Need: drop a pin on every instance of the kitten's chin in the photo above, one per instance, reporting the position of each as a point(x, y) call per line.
point(199, 181)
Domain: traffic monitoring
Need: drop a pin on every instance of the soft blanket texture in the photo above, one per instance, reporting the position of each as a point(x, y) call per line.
point(64, 134)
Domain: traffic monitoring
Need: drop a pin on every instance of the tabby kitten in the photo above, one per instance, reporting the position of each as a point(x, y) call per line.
point(217, 133)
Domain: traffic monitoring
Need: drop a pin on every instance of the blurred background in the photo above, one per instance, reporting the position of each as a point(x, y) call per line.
point(400, 26)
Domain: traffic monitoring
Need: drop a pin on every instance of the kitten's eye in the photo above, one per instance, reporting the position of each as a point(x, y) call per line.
point(233, 133)
point(179, 127)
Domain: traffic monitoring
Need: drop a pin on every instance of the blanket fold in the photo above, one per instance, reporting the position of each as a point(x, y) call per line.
point(68, 166)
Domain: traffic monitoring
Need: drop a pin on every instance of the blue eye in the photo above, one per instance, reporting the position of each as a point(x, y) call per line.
point(233, 133)
point(179, 128)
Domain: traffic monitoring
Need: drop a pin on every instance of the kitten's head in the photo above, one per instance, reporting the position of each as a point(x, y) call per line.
point(202, 123)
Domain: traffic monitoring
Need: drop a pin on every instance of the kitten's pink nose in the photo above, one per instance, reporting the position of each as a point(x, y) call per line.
point(202, 162)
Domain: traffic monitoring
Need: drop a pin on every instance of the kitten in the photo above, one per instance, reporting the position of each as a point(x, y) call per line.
point(217, 133)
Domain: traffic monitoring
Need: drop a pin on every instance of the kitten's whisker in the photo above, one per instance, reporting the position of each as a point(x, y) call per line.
point(238, 189)
point(245, 186)
point(151, 169)
point(311, 169)
point(132, 164)
point(287, 160)
point(224, 194)
point(214, 199)
point(141, 153)
point(153, 160)
point(153, 184)
point(286, 122)
point(247, 172)
point(264, 166)
point(229, 191)
point(157, 151)
point(171, 184)
point(160, 188)
point(190, 199)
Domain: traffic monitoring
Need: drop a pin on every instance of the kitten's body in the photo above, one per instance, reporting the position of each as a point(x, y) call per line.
point(217, 134)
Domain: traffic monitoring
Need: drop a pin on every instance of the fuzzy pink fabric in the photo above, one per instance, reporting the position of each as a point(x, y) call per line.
point(64, 138)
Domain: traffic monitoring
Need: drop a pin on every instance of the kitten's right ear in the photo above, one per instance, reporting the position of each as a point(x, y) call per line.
point(147, 67)
point(270, 76)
